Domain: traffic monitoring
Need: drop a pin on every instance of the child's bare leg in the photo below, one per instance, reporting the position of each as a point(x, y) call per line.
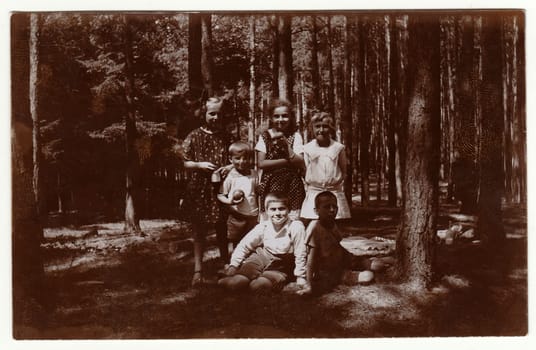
point(221, 236)
point(199, 238)
point(276, 278)
point(234, 283)
point(261, 284)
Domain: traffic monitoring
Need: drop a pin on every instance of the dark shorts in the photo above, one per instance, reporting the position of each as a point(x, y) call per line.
point(262, 263)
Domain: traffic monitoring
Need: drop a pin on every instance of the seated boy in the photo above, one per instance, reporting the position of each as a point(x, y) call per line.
point(238, 192)
point(264, 258)
point(328, 263)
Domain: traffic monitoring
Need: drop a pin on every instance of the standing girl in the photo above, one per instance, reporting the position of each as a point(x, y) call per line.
point(204, 153)
point(325, 166)
point(279, 158)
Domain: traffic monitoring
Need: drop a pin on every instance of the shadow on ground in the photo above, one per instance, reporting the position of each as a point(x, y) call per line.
point(139, 288)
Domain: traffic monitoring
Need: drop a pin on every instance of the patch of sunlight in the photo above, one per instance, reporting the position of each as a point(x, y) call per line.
point(455, 281)
point(376, 297)
point(124, 293)
point(518, 274)
point(517, 235)
point(179, 298)
point(86, 262)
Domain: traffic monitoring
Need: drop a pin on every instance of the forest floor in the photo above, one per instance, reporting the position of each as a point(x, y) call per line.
point(103, 284)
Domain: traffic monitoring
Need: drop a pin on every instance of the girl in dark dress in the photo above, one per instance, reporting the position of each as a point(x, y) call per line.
point(280, 158)
point(204, 154)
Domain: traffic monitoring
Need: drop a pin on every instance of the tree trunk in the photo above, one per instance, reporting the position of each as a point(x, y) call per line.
point(195, 80)
point(463, 166)
point(132, 222)
point(392, 82)
point(284, 58)
point(27, 234)
point(520, 111)
point(402, 100)
point(206, 54)
point(315, 73)
point(415, 239)
point(364, 116)
point(490, 225)
point(34, 110)
point(347, 109)
point(251, 123)
point(331, 84)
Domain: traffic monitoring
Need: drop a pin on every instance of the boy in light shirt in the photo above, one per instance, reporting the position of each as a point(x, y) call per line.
point(270, 252)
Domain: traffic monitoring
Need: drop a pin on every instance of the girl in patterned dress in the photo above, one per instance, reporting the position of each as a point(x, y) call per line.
point(325, 167)
point(279, 158)
point(205, 152)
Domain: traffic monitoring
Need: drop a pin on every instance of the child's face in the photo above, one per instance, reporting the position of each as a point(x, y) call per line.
point(213, 116)
point(327, 208)
point(277, 212)
point(281, 118)
point(322, 131)
point(240, 162)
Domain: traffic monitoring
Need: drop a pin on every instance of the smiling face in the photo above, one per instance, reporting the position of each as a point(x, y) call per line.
point(281, 118)
point(241, 162)
point(277, 211)
point(322, 131)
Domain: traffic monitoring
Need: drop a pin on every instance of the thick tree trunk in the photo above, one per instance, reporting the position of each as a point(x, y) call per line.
point(284, 58)
point(206, 54)
point(521, 146)
point(415, 239)
point(490, 225)
point(132, 222)
point(34, 110)
point(331, 85)
point(195, 79)
point(27, 233)
point(463, 166)
point(315, 73)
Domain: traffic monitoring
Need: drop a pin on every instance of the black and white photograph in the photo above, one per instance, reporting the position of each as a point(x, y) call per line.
point(268, 174)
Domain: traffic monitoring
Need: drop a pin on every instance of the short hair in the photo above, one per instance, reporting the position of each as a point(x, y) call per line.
point(319, 116)
point(215, 100)
point(276, 197)
point(324, 194)
point(279, 102)
point(239, 148)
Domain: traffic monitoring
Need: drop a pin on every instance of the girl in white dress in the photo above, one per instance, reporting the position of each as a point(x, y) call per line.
point(325, 166)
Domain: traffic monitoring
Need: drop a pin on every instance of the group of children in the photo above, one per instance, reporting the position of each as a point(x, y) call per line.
point(265, 213)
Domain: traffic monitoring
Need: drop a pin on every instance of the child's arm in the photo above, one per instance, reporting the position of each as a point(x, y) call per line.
point(307, 287)
point(224, 199)
point(300, 252)
point(267, 164)
point(342, 162)
point(247, 245)
point(223, 195)
point(311, 257)
point(204, 166)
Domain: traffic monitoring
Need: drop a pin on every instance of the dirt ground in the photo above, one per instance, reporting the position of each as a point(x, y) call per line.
point(107, 285)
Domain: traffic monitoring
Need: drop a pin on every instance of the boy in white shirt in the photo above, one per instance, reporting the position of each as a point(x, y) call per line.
point(239, 193)
point(264, 258)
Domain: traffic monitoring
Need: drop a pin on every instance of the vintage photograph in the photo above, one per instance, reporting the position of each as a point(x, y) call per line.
point(283, 174)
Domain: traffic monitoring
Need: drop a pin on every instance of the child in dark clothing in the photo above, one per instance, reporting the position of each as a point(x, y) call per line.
point(204, 154)
point(328, 263)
